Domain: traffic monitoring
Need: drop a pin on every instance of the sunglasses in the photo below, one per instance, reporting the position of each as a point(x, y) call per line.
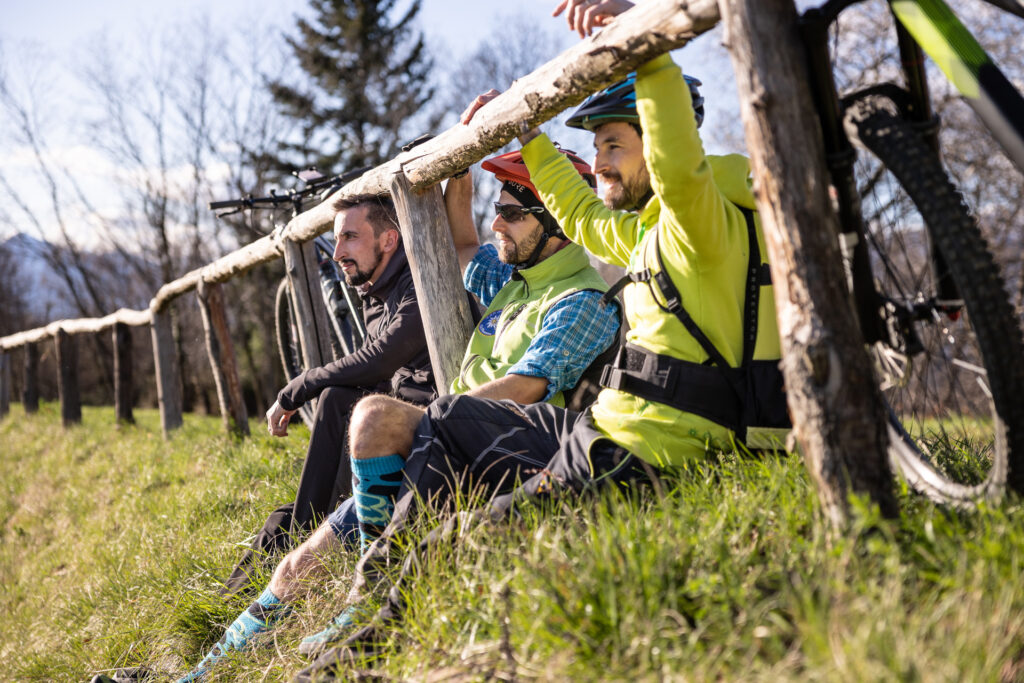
point(513, 213)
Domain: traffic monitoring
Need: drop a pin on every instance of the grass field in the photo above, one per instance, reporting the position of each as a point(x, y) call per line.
point(113, 543)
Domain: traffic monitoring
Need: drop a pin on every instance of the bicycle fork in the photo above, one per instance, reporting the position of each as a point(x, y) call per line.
point(881, 319)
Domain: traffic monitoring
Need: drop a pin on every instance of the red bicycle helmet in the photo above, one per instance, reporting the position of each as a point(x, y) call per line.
point(510, 166)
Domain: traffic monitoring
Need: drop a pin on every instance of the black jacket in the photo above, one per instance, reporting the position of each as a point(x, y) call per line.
point(393, 359)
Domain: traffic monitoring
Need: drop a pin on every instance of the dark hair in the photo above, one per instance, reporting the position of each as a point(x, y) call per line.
point(380, 210)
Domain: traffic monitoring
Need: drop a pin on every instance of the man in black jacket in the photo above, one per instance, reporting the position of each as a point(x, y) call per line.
point(392, 360)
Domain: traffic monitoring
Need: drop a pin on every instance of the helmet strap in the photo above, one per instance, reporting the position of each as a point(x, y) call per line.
point(535, 256)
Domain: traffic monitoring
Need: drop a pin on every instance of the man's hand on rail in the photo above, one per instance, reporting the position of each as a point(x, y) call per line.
point(277, 419)
point(526, 133)
point(584, 16)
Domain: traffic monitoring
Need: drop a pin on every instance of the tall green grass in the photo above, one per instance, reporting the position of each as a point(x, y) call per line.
point(114, 542)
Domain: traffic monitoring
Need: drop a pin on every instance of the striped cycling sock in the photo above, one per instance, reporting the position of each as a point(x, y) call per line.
point(375, 483)
point(259, 617)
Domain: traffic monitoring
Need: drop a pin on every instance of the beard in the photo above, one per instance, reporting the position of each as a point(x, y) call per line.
point(513, 252)
point(361, 276)
point(626, 194)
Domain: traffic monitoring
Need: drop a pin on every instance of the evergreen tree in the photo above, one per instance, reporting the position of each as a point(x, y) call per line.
point(366, 75)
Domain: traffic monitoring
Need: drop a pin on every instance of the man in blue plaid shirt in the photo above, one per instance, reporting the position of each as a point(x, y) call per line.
point(544, 325)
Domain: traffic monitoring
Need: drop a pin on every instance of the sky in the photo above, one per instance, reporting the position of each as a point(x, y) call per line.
point(60, 30)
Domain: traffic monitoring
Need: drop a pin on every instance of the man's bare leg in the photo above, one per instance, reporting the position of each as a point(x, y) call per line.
point(290, 577)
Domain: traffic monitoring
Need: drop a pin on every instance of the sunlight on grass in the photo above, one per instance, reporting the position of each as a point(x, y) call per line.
point(114, 542)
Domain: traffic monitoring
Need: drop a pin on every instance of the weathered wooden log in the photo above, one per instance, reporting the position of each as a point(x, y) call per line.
point(637, 36)
point(644, 32)
point(221, 351)
point(5, 384)
point(837, 412)
point(123, 387)
point(435, 273)
point(308, 305)
point(30, 391)
point(168, 375)
point(77, 326)
point(67, 378)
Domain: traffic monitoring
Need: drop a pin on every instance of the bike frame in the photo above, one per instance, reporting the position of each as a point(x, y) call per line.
point(921, 25)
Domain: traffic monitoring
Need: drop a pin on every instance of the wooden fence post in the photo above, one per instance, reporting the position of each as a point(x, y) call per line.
point(67, 377)
point(221, 351)
point(168, 381)
point(435, 272)
point(5, 384)
point(308, 304)
point(30, 392)
point(837, 411)
point(122, 339)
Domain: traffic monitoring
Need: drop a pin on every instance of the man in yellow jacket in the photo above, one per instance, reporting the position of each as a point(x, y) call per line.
point(699, 370)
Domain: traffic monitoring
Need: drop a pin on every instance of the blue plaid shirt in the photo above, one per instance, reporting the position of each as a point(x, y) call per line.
point(576, 329)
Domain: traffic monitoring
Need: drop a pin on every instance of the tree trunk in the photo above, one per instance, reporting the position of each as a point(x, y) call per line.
point(67, 378)
point(122, 338)
point(838, 418)
point(30, 394)
point(222, 359)
point(168, 384)
point(435, 272)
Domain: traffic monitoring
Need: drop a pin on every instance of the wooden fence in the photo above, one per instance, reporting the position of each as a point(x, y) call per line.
point(412, 179)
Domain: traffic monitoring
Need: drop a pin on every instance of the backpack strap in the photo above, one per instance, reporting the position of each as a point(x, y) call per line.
point(757, 276)
point(752, 297)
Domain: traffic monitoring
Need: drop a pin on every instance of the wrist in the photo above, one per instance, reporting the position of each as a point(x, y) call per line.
point(526, 133)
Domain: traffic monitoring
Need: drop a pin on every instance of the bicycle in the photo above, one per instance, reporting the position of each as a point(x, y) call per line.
point(344, 308)
point(944, 338)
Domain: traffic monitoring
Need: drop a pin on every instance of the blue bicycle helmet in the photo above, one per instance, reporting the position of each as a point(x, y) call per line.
point(618, 103)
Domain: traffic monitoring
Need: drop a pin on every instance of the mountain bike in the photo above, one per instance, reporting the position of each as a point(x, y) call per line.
point(944, 338)
point(344, 308)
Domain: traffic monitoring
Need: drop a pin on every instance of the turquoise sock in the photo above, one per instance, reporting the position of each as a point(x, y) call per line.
point(375, 483)
point(259, 617)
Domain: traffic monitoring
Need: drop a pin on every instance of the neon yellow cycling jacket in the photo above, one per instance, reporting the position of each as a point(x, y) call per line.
point(704, 245)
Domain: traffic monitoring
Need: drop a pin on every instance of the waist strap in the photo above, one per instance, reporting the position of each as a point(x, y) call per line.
point(704, 390)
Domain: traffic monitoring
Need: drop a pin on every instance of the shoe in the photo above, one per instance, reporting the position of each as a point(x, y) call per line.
point(130, 675)
point(336, 631)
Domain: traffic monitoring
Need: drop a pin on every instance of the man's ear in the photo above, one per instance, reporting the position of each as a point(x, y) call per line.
point(391, 238)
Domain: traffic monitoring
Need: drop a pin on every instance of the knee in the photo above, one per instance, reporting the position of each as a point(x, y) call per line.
point(379, 424)
point(367, 418)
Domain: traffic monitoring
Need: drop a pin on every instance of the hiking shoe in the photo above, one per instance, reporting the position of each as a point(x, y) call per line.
point(336, 631)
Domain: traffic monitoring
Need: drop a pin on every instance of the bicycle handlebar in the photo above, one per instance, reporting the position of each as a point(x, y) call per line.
point(293, 197)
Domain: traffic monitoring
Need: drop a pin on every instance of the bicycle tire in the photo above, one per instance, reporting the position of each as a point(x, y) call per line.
point(288, 345)
point(934, 444)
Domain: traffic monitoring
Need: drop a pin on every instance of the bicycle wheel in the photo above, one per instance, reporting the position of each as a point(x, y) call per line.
point(950, 369)
point(288, 342)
